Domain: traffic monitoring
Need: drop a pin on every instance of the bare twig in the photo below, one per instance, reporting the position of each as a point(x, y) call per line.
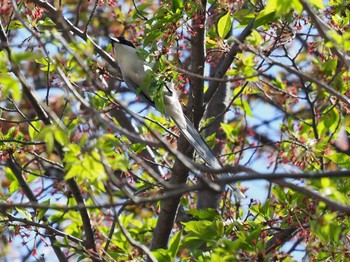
point(52, 231)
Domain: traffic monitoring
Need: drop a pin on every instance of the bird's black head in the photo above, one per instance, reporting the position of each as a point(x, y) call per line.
point(121, 40)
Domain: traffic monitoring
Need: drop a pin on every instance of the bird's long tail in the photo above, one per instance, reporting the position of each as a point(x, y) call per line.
point(200, 145)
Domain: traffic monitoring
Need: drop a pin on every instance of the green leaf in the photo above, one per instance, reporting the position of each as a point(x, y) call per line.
point(210, 43)
point(47, 135)
point(317, 3)
point(325, 182)
point(331, 120)
point(340, 159)
point(279, 83)
point(84, 166)
point(224, 25)
point(43, 211)
point(205, 230)
point(42, 61)
point(47, 65)
point(230, 131)
point(174, 244)
point(265, 16)
point(283, 7)
point(10, 87)
point(61, 137)
point(255, 38)
point(32, 129)
point(99, 100)
point(242, 15)
point(24, 213)
point(162, 255)
point(24, 56)
point(46, 23)
point(205, 214)
point(327, 228)
point(329, 66)
point(246, 108)
point(192, 242)
point(197, 227)
point(11, 133)
point(177, 4)
point(15, 24)
point(14, 184)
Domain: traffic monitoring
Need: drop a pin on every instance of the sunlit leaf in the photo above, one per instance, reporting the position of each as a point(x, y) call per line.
point(174, 244)
point(24, 213)
point(43, 211)
point(10, 87)
point(206, 214)
point(61, 137)
point(317, 3)
point(15, 24)
point(224, 25)
point(340, 159)
point(265, 16)
point(177, 4)
point(13, 182)
point(162, 255)
point(46, 23)
point(32, 129)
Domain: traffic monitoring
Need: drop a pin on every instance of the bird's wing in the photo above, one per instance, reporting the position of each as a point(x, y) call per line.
point(135, 88)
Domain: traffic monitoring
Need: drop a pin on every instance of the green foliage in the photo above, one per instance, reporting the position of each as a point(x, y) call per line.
point(245, 65)
point(318, 4)
point(83, 166)
point(163, 255)
point(47, 65)
point(52, 134)
point(230, 131)
point(340, 159)
point(10, 86)
point(162, 22)
point(224, 25)
point(13, 182)
point(283, 7)
point(265, 16)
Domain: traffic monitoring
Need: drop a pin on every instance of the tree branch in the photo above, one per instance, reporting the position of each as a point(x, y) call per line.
point(323, 29)
point(179, 189)
point(66, 25)
point(305, 77)
point(226, 63)
point(42, 114)
point(195, 102)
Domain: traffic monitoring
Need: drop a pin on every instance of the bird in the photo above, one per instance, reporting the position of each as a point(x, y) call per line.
point(135, 72)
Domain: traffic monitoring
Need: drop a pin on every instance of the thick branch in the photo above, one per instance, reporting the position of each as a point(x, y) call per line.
point(170, 206)
point(197, 64)
point(183, 188)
